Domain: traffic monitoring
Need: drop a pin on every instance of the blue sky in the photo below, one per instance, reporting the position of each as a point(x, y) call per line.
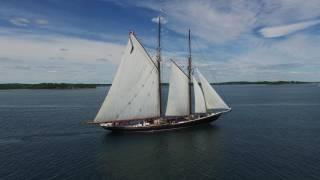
point(233, 40)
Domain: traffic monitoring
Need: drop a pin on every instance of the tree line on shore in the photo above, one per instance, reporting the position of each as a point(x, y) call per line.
point(81, 85)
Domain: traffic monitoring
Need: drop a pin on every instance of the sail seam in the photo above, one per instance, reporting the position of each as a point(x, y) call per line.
point(135, 94)
point(204, 97)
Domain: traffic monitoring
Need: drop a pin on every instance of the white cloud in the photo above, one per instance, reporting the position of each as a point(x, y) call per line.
point(233, 22)
point(33, 47)
point(206, 19)
point(33, 55)
point(225, 21)
point(162, 20)
point(296, 58)
point(24, 22)
point(278, 31)
point(18, 21)
point(226, 29)
point(273, 12)
point(41, 22)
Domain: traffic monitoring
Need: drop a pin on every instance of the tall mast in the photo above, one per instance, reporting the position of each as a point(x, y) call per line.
point(189, 72)
point(159, 67)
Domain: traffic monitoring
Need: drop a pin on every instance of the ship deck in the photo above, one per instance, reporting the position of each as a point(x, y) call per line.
point(167, 123)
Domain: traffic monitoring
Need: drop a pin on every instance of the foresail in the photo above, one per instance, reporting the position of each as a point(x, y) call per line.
point(199, 102)
point(134, 90)
point(178, 98)
point(212, 98)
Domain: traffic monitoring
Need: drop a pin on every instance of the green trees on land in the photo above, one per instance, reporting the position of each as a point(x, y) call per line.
point(46, 86)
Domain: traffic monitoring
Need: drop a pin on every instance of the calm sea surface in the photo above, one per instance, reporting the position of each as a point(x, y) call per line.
point(273, 132)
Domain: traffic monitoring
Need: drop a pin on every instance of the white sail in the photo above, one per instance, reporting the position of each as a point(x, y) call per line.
point(212, 98)
point(178, 98)
point(199, 102)
point(134, 92)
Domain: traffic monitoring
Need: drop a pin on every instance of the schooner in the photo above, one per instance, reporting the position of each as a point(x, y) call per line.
point(134, 101)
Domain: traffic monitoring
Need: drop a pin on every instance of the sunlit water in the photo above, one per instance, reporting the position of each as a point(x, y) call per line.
point(273, 132)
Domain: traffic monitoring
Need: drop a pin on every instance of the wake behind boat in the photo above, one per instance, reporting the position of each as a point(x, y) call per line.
point(134, 100)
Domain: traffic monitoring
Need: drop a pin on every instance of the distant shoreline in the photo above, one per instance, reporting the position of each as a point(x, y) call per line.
point(83, 86)
point(263, 82)
point(46, 86)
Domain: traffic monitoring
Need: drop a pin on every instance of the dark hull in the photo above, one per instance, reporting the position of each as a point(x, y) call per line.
point(163, 127)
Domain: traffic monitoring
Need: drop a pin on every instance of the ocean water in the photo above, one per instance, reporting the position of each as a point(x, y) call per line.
point(273, 132)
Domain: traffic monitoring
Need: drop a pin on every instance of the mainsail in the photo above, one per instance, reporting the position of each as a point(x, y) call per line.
point(178, 101)
point(134, 91)
point(212, 98)
point(199, 102)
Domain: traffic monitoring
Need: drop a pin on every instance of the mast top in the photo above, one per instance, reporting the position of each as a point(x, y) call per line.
point(132, 32)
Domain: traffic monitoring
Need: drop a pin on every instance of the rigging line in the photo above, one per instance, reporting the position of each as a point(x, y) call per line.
point(201, 54)
point(149, 57)
point(159, 67)
point(179, 67)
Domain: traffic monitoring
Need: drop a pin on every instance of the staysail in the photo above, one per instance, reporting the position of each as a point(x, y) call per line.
point(212, 98)
point(134, 91)
point(199, 102)
point(178, 101)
